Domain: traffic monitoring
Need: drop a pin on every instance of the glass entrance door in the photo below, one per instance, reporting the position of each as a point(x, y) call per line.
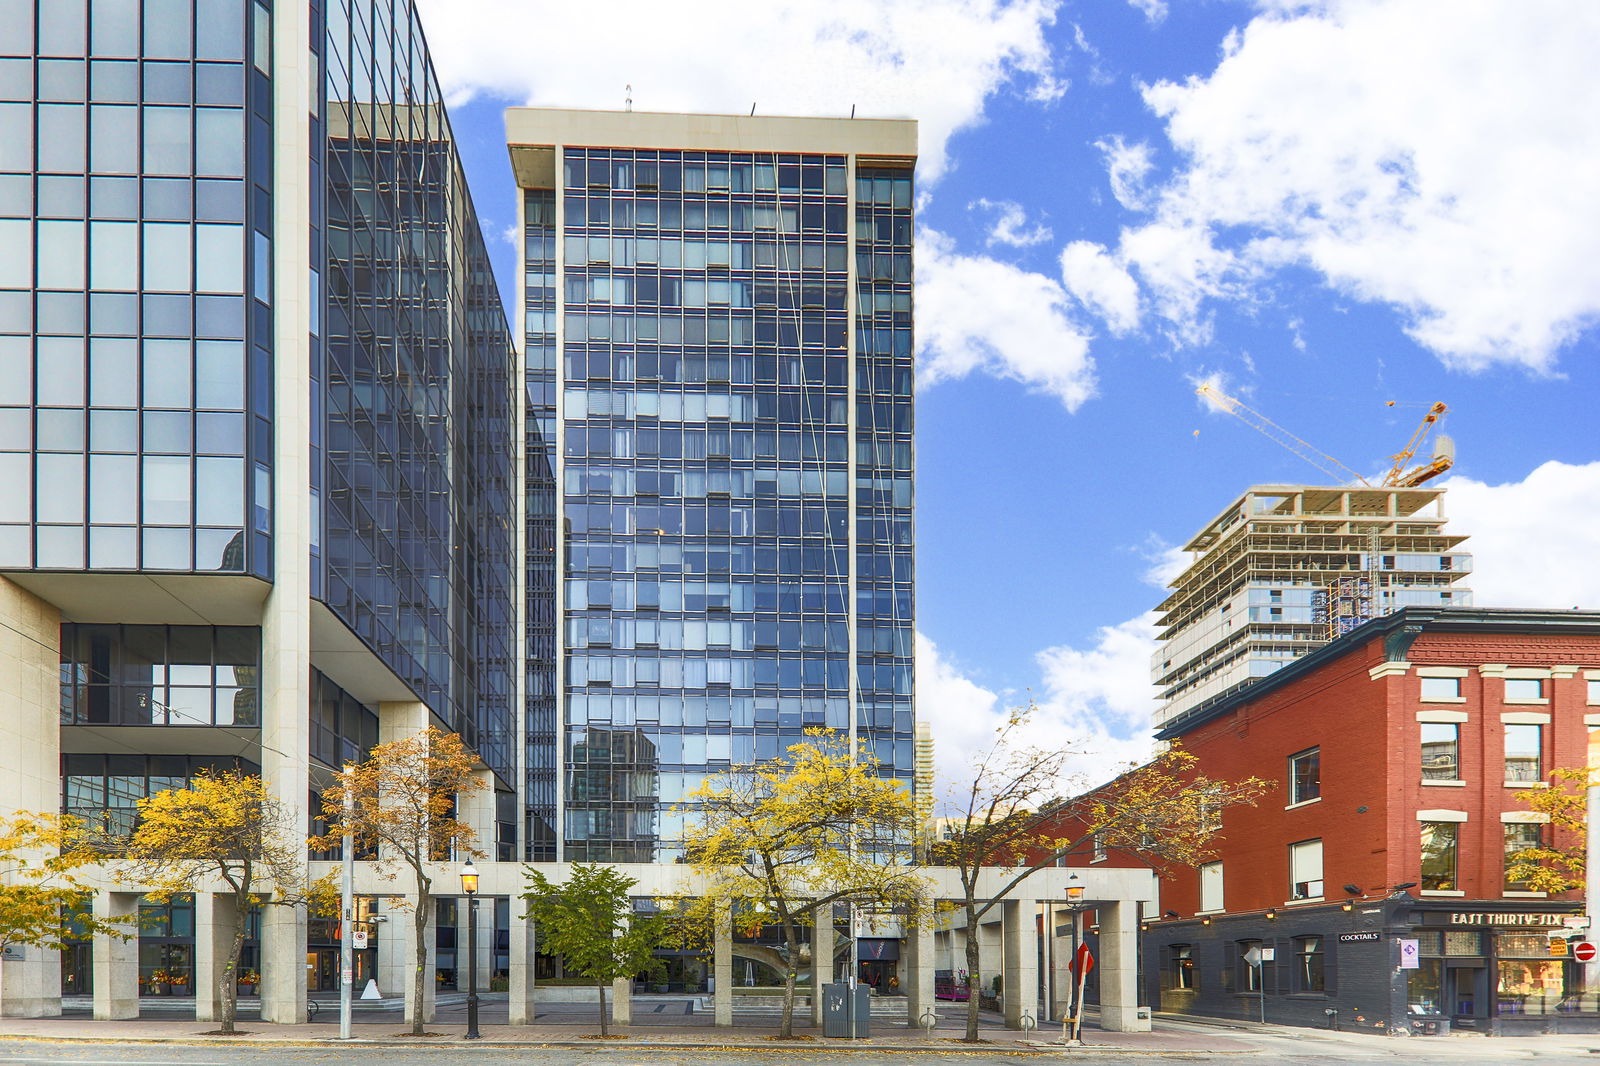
point(1466, 994)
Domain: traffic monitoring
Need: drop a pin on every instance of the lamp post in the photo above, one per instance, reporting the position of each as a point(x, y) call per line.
point(347, 866)
point(469, 885)
point(1069, 1024)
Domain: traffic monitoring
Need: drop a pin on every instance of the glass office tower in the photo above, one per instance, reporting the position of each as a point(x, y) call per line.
point(256, 405)
point(718, 480)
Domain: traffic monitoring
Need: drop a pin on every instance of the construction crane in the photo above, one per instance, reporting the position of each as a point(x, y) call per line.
point(1397, 477)
point(1444, 454)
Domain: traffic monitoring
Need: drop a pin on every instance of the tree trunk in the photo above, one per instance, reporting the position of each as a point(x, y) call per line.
point(972, 973)
point(418, 1021)
point(600, 986)
point(230, 972)
point(786, 1028)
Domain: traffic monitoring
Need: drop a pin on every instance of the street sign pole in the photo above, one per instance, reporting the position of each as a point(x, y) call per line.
point(347, 974)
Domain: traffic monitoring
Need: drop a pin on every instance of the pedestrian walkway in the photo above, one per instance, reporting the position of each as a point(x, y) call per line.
point(755, 1029)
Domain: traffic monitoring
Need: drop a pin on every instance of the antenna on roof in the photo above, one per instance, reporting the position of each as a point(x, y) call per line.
point(752, 109)
point(628, 103)
point(852, 110)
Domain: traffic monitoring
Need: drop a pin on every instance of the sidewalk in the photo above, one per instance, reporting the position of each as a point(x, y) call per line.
point(760, 1035)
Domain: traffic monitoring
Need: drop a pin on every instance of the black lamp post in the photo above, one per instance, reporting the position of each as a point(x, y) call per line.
point(469, 885)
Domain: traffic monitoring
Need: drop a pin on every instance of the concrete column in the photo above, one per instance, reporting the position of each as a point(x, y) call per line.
point(989, 948)
point(522, 1009)
point(30, 734)
point(286, 617)
point(1019, 990)
point(214, 923)
point(622, 1001)
point(476, 810)
point(722, 966)
point(821, 959)
point(399, 965)
point(917, 972)
point(283, 987)
point(116, 961)
point(399, 719)
point(1119, 968)
point(485, 960)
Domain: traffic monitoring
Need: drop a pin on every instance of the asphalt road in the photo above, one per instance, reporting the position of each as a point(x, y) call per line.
point(1273, 1050)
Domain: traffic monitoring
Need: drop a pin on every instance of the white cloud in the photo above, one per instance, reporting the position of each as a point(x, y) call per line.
point(1127, 166)
point(1154, 10)
point(1011, 224)
point(1101, 284)
point(1095, 701)
point(978, 313)
point(1534, 542)
point(938, 60)
point(1439, 158)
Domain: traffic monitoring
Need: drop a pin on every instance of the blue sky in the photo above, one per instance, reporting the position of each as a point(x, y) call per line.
point(1324, 205)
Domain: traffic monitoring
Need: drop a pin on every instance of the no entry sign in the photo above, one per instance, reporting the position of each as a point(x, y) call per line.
point(1584, 951)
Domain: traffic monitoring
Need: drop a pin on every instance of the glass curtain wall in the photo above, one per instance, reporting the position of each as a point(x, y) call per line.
point(705, 442)
point(415, 466)
point(135, 323)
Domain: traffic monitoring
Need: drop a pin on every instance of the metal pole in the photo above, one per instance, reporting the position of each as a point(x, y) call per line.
point(855, 965)
point(347, 973)
point(1591, 876)
point(472, 966)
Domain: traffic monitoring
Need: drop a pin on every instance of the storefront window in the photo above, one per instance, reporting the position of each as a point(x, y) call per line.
point(1425, 987)
point(1530, 981)
point(1183, 967)
point(1308, 955)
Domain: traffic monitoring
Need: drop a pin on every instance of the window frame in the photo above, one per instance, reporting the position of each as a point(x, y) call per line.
point(1299, 854)
point(1308, 949)
point(1312, 790)
point(1219, 883)
point(1424, 828)
point(1517, 776)
point(1431, 774)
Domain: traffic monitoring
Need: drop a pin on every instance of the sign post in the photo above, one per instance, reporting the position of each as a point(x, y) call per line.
point(1082, 963)
point(1255, 957)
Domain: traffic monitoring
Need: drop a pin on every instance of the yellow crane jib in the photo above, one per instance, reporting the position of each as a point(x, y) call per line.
point(1270, 429)
point(1443, 457)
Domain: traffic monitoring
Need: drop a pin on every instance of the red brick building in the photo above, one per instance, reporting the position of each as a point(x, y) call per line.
point(1373, 877)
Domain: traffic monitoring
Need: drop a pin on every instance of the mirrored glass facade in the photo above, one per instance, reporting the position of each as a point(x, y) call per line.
point(135, 307)
point(719, 363)
point(414, 464)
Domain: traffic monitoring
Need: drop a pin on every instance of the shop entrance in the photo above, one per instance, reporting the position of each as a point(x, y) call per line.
point(1467, 992)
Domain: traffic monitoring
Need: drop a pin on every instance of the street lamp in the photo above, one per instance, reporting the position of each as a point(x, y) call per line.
point(469, 885)
point(1075, 969)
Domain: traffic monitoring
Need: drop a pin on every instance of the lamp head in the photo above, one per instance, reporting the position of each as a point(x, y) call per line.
point(1074, 889)
point(469, 878)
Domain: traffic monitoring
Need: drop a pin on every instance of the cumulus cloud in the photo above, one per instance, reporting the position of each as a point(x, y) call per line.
point(976, 313)
point(1101, 284)
point(1127, 167)
point(1386, 145)
point(1010, 225)
point(1534, 542)
point(1096, 701)
point(939, 60)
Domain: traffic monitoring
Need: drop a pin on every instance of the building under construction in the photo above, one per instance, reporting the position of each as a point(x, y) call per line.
point(1286, 568)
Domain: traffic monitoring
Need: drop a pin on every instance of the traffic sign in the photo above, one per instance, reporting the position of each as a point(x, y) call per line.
point(358, 939)
point(1584, 951)
point(1082, 961)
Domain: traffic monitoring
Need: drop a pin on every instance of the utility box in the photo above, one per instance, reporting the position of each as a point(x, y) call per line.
point(838, 1001)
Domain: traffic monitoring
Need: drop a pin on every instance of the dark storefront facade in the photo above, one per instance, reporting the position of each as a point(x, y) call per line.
point(1429, 967)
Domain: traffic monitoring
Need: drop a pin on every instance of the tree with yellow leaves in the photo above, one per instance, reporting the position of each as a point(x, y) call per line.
point(1008, 815)
point(781, 842)
point(41, 857)
point(402, 805)
point(1555, 865)
point(225, 829)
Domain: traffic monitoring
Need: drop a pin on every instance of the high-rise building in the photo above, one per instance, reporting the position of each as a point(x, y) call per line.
point(255, 391)
point(1286, 568)
point(716, 317)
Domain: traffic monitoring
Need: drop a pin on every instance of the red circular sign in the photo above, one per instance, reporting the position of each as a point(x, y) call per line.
point(1584, 951)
